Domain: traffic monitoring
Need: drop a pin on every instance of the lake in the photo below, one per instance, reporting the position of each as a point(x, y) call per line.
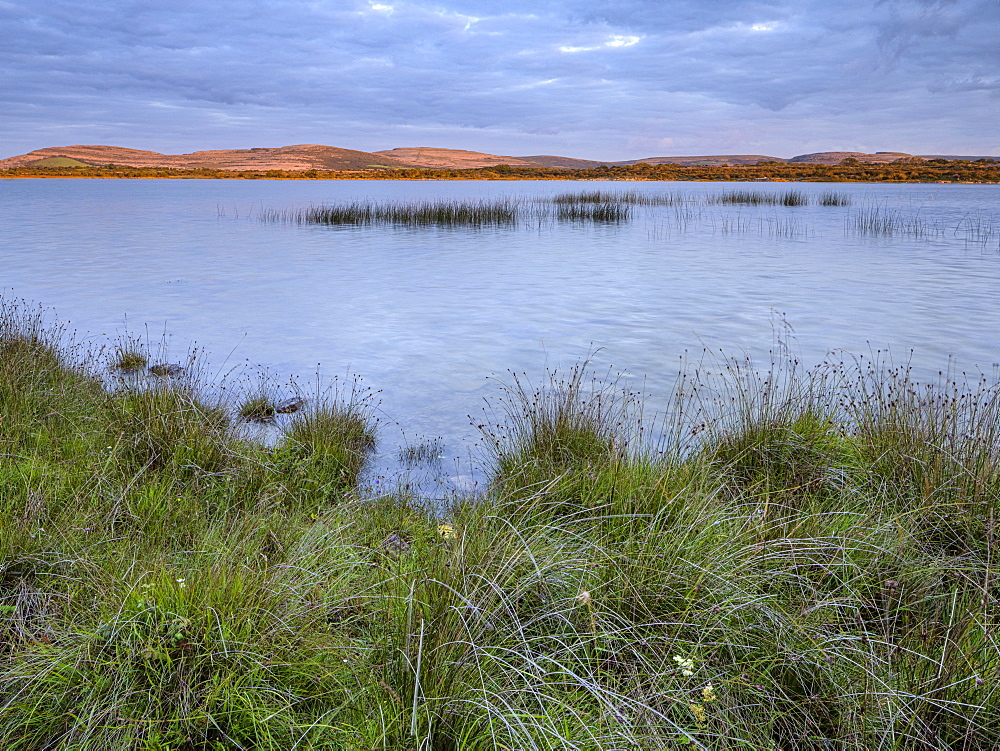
point(427, 315)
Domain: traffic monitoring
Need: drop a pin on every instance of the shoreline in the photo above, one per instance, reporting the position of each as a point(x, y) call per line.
point(930, 172)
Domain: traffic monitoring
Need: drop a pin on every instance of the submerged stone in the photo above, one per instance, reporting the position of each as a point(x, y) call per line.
point(166, 369)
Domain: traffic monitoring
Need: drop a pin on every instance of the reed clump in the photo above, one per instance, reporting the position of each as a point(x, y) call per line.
point(834, 198)
point(610, 212)
point(807, 559)
point(631, 197)
point(760, 198)
point(500, 212)
point(881, 221)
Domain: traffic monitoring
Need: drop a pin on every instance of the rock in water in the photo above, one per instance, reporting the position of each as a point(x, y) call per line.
point(289, 406)
point(166, 369)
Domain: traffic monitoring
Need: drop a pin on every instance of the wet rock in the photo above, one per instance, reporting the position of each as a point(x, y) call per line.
point(289, 406)
point(166, 369)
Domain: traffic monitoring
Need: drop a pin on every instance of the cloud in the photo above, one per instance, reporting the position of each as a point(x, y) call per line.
point(616, 41)
point(598, 78)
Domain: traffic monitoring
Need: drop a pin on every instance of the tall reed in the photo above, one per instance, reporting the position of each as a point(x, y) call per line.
point(501, 212)
point(760, 198)
point(632, 197)
point(880, 221)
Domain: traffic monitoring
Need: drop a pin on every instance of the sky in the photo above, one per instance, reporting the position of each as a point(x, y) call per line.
point(598, 79)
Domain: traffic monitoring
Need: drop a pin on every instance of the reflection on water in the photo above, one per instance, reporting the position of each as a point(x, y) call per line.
point(426, 314)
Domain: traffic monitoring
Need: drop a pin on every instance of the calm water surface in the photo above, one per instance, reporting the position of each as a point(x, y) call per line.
point(426, 315)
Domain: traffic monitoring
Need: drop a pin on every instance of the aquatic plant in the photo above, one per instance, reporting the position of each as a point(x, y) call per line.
point(880, 221)
point(500, 212)
point(631, 197)
point(440, 213)
point(609, 212)
point(834, 198)
point(760, 198)
point(423, 452)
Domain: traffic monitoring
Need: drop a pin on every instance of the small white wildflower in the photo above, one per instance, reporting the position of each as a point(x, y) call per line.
point(584, 597)
point(708, 693)
point(686, 664)
point(182, 583)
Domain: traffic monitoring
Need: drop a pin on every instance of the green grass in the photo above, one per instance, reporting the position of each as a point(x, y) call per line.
point(808, 560)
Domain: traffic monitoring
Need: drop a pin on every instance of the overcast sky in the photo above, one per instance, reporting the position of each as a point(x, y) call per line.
point(604, 79)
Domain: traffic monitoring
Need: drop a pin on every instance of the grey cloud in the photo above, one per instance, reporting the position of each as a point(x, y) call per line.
point(585, 77)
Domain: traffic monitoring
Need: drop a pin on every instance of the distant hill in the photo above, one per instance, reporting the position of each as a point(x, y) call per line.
point(436, 158)
point(724, 160)
point(963, 158)
point(297, 158)
point(304, 157)
point(836, 157)
point(565, 162)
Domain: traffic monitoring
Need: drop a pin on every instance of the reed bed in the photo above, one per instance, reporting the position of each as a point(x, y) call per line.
point(606, 213)
point(760, 198)
point(807, 559)
point(834, 198)
point(494, 213)
point(631, 197)
point(501, 212)
point(880, 221)
point(977, 228)
point(782, 227)
point(617, 207)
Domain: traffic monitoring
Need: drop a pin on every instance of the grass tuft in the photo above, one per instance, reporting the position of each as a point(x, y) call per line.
point(129, 360)
point(329, 442)
point(259, 408)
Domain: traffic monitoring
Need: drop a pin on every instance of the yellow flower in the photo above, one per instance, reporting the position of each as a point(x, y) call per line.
point(698, 711)
point(708, 693)
point(447, 531)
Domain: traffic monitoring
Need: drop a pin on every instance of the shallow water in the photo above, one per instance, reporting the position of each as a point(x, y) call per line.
point(427, 315)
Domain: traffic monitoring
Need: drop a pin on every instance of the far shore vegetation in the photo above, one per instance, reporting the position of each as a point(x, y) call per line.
point(808, 558)
point(850, 170)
